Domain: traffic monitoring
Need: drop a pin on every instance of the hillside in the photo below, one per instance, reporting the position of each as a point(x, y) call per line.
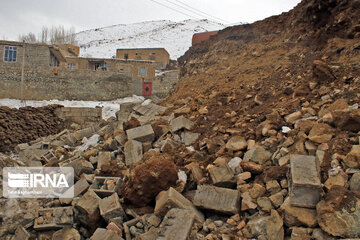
point(175, 37)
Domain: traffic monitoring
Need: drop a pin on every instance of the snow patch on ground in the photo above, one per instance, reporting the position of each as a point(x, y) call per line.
point(109, 107)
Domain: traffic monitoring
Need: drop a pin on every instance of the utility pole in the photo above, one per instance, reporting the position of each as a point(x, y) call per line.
point(22, 73)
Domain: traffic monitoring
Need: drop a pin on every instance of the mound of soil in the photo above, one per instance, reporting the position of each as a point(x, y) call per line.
point(27, 124)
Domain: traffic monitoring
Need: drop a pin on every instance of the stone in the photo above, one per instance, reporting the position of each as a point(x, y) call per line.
point(110, 207)
point(168, 145)
point(321, 133)
point(265, 204)
point(257, 225)
point(80, 166)
point(142, 134)
point(291, 118)
point(115, 228)
point(277, 199)
point(104, 234)
point(86, 132)
point(234, 165)
point(189, 138)
point(352, 159)
point(320, 155)
point(251, 167)
point(247, 202)
point(222, 176)
point(21, 147)
point(121, 139)
point(21, 233)
point(310, 147)
point(258, 155)
point(243, 176)
point(103, 157)
point(236, 143)
point(218, 199)
point(180, 123)
point(197, 174)
point(274, 226)
point(171, 198)
point(79, 188)
point(257, 191)
point(177, 224)
point(133, 152)
point(88, 206)
point(322, 72)
point(298, 216)
point(66, 234)
point(319, 234)
point(355, 182)
point(305, 184)
point(339, 213)
point(54, 218)
point(347, 120)
point(339, 179)
point(273, 186)
point(105, 186)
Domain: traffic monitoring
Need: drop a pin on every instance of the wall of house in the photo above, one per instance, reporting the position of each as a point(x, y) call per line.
point(165, 82)
point(200, 37)
point(160, 55)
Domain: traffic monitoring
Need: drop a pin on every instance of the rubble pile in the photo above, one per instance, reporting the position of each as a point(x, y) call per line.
point(260, 140)
point(26, 124)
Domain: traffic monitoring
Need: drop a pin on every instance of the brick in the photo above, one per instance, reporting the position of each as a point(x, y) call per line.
point(110, 207)
point(218, 199)
point(105, 186)
point(305, 183)
point(171, 198)
point(103, 158)
point(88, 206)
point(222, 176)
point(181, 123)
point(79, 188)
point(142, 134)
point(133, 152)
point(177, 224)
point(53, 218)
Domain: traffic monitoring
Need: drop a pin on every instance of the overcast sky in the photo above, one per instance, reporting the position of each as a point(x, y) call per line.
point(23, 16)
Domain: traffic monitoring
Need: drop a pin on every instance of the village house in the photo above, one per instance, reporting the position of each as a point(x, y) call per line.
point(159, 55)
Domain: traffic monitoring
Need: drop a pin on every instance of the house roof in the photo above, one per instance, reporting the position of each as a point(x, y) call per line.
point(142, 49)
point(57, 54)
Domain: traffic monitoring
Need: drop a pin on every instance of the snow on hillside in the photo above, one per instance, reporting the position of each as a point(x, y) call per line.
point(175, 37)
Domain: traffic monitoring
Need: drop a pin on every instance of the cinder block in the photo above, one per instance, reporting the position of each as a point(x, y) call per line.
point(88, 206)
point(86, 132)
point(133, 152)
point(103, 158)
point(79, 188)
point(305, 183)
point(218, 199)
point(110, 207)
point(171, 198)
point(181, 123)
point(53, 218)
point(142, 134)
point(177, 224)
point(105, 186)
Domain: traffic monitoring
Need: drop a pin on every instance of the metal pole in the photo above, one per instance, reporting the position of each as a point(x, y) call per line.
point(22, 74)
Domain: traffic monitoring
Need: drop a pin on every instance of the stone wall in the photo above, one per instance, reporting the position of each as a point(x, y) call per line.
point(165, 82)
point(79, 115)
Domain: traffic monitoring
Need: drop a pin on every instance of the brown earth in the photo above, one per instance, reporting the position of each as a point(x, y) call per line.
point(27, 124)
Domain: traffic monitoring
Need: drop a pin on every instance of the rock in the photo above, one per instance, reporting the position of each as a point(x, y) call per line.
point(352, 159)
point(355, 182)
point(247, 202)
point(257, 226)
point(221, 200)
point(203, 110)
point(339, 213)
point(273, 186)
point(110, 207)
point(133, 152)
point(157, 173)
point(321, 133)
point(277, 199)
point(66, 234)
point(181, 123)
point(340, 179)
point(291, 118)
point(265, 204)
point(347, 120)
point(142, 134)
point(258, 155)
point(21, 233)
point(252, 167)
point(189, 138)
point(234, 165)
point(88, 206)
point(104, 234)
point(257, 191)
point(236, 143)
point(297, 216)
point(103, 157)
point(243, 176)
point(322, 72)
point(222, 176)
point(274, 226)
point(305, 181)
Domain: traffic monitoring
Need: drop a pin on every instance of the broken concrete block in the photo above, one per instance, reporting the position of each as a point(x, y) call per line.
point(21, 234)
point(222, 176)
point(189, 138)
point(181, 123)
point(53, 218)
point(176, 224)
point(110, 207)
point(104, 234)
point(79, 188)
point(115, 228)
point(88, 206)
point(171, 198)
point(133, 152)
point(236, 143)
point(66, 234)
point(142, 134)
point(21, 147)
point(105, 186)
point(305, 184)
point(168, 144)
point(86, 132)
point(103, 157)
point(218, 199)
point(257, 154)
point(121, 139)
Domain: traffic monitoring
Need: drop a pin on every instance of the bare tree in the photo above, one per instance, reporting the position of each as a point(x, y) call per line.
point(43, 37)
point(28, 38)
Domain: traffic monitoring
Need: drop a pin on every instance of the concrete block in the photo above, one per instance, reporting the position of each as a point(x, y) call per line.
point(305, 183)
point(171, 198)
point(222, 176)
point(181, 123)
point(103, 157)
point(53, 218)
point(105, 186)
point(218, 199)
point(86, 132)
point(189, 138)
point(133, 152)
point(142, 134)
point(21, 147)
point(81, 166)
point(177, 224)
point(110, 207)
point(104, 234)
point(88, 206)
point(21, 234)
point(66, 234)
point(121, 139)
point(79, 188)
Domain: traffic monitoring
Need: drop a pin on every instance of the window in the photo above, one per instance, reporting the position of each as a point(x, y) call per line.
point(53, 60)
point(10, 54)
point(152, 56)
point(142, 71)
point(126, 56)
point(138, 56)
point(71, 66)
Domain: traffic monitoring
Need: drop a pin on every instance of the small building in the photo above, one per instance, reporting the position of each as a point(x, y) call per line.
point(200, 37)
point(159, 55)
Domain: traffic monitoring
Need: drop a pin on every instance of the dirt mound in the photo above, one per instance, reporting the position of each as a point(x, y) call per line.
point(26, 124)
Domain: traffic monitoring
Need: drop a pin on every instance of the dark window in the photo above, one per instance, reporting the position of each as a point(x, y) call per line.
point(142, 71)
point(126, 56)
point(10, 54)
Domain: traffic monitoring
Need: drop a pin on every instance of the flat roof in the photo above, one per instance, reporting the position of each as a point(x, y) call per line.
point(141, 49)
point(111, 59)
point(17, 43)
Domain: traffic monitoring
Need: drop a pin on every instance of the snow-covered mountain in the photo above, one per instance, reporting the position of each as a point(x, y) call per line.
point(175, 37)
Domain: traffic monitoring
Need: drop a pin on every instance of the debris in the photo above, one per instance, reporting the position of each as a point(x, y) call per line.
point(143, 133)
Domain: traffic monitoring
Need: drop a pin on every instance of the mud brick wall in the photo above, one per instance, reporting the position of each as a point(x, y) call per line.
point(42, 84)
point(164, 83)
